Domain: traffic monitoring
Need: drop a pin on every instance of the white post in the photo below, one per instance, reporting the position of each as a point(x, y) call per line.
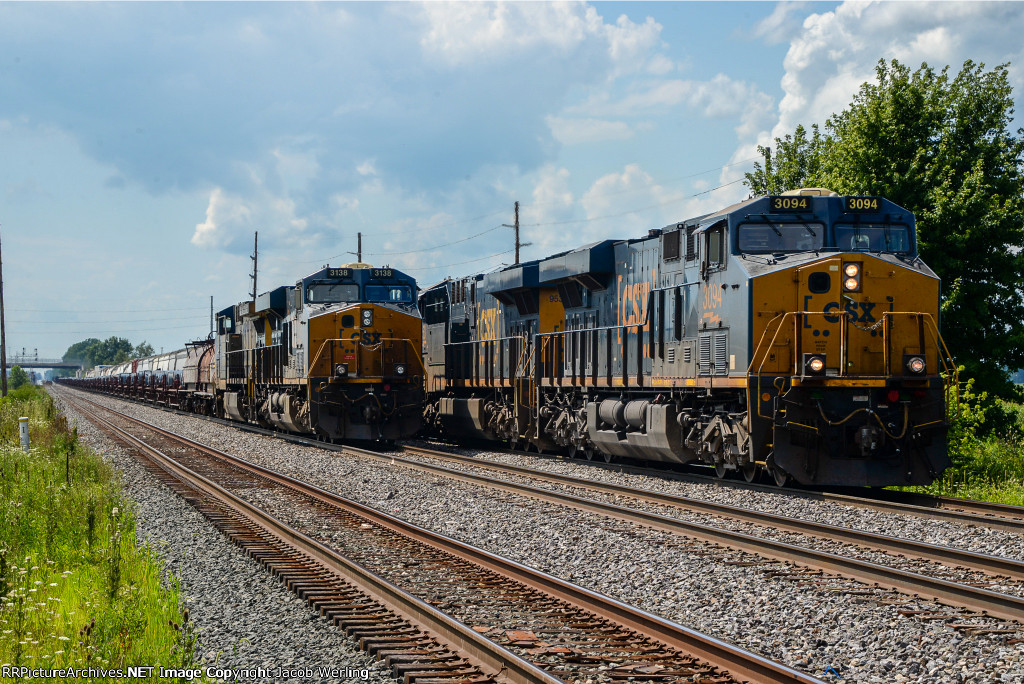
point(23, 424)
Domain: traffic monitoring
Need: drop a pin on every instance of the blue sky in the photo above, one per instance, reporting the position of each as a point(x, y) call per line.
point(142, 144)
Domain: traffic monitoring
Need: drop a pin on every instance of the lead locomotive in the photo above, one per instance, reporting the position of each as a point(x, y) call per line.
point(796, 334)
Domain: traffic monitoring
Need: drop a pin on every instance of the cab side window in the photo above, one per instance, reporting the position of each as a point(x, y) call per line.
point(715, 247)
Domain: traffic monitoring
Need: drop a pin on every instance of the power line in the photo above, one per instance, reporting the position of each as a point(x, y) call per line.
point(460, 263)
point(435, 247)
point(104, 331)
point(636, 211)
point(129, 320)
point(188, 308)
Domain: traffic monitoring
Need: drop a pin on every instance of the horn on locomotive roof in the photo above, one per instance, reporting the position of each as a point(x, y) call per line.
point(813, 192)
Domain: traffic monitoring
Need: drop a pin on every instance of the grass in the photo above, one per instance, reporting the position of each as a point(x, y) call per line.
point(76, 590)
point(986, 446)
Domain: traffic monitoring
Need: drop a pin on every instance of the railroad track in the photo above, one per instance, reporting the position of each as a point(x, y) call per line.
point(1003, 517)
point(501, 621)
point(973, 598)
point(965, 511)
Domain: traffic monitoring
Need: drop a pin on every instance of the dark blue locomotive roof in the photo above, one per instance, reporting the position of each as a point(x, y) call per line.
point(361, 275)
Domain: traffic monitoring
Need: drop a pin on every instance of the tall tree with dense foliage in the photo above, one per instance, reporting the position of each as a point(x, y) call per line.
point(941, 147)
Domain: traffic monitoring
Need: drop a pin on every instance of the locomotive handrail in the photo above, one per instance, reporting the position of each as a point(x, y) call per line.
point(329, 343)
point(949, 370)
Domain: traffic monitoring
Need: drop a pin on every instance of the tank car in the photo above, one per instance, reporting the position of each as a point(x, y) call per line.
point(794, 334)
point(337, 354)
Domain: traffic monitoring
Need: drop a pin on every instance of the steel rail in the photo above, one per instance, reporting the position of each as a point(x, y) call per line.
point(738, 662)
point(997, 565)
point(485, 654)
point(998, 605)
point(1003, 517)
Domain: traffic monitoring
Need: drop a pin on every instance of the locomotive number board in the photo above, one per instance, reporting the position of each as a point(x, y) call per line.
point(789, 203)
point(382, 273)
point(339, 273)
point(862, 203)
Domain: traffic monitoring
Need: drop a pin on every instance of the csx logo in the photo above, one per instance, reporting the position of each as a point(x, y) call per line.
point(859, 312)
point(633, 302)
point(488, 324)
point(365, 336)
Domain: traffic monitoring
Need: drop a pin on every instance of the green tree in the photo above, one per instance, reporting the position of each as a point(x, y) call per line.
point(94, 352)
point(143, 349)
point(941, 147)
point(18, 377)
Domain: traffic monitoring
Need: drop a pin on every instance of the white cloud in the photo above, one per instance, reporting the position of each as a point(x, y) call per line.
point(583, 130)
point(467, 32)
point(225, 217)
point(231, 220)
point(781, 24)
point(719, 97)
point(837, 51)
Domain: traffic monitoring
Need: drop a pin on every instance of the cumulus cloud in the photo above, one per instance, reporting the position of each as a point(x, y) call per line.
point(231, 220)
point(470, 32)
point(837, 51)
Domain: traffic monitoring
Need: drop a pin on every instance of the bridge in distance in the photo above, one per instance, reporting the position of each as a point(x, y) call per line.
point(36, 362)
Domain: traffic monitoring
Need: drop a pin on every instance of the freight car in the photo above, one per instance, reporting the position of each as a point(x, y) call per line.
point(793, 334)
point(336, 355)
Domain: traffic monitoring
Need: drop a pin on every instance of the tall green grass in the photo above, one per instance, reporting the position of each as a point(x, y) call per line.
point(76, 590)
point(986, 446)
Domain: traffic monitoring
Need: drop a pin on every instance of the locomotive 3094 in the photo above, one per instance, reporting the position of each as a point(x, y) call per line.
point(794, 334)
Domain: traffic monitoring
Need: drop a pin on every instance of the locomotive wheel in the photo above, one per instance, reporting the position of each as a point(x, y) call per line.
point(750, 472)
point(590, 453)
point(573, 451)
point(780, 476)
point(607, 457)
point(720, 470)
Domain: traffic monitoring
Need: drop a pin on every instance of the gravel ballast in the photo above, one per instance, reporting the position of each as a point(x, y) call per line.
point(810, 627)
point(244, 618)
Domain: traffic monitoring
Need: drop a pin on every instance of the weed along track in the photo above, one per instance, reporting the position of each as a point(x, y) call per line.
point(433, 607)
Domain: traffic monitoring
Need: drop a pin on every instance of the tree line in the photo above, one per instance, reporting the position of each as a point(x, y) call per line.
point(95, 352)
point(940, 146)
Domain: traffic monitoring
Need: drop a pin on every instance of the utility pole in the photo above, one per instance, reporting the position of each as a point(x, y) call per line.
point(359, 248)
point(211, 314)
point(3, 332)
point(516, 228)
point(255, 262)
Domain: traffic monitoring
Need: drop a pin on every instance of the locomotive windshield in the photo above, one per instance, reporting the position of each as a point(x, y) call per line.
point(398, 294)
point(332, 293)
point(781, 237)
point(872, 237)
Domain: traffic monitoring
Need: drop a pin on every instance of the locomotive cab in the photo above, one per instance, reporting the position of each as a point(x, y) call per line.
point(337, 355)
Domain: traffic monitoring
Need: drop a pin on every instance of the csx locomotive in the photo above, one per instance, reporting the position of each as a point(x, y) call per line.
point(794, 334)
point(336, 355)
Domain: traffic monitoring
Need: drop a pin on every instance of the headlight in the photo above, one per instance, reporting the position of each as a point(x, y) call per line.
point(852, 281)
point(914, 364)
point(367, 317)
point(814, 364)
point(400, 369)
point(341, 369)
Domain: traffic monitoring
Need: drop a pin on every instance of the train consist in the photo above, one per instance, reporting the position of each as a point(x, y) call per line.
point(793, 334)
point(336, 355)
